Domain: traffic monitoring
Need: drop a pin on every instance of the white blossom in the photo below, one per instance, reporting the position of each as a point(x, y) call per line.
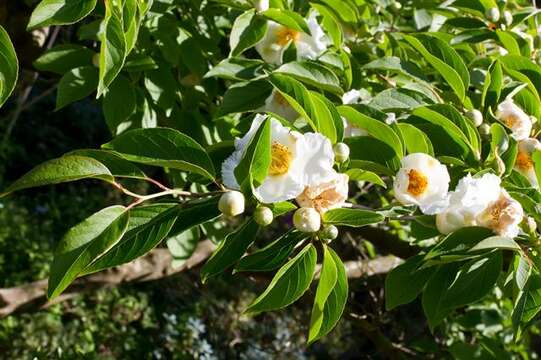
point(326, 195)
point(503, 216)
point(277, 104)
point(515, 119)
point(279, 37)
point(424, 181)
point(524, 163)
point(297, 161)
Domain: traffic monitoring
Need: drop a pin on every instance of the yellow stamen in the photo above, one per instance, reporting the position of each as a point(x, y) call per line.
point(280, 159)
point(510, 120)
point(418, 182)
point(284, 35)
point(524, 162)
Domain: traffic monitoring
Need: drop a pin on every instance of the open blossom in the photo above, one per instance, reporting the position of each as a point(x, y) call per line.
point(515, 119)
point(277, 104)
point(326, 195)
point(524, 163)
point(470, 198)
point(423, 181)
point(279, 37)
point(503, 216)
point(297, 161)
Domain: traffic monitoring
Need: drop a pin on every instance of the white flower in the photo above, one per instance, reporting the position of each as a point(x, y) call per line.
point(278, 38)
point(352, 97)
point(503, 216)
point(524, 163)
point(326, 195)
point(277, 104)
point(390, 119)
point(297, 161)
point(515, 119)
point(423, 181)
point(470, 198)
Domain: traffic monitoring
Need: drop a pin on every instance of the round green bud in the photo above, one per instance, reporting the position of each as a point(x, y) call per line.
point(484, 129)
point(329, 233)
point(341, 152)
point(493, 14)
point(507, 17)
point(307, 220)
point(263, 216)
point(396, 6)
point(231, 203)
point(475, 116)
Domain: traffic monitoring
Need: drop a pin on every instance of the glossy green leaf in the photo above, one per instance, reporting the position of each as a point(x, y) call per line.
point(75, 85)
point(183, 245)
point(289, 283)
point(113, 48)
point(60, 170)
point(406, 281)
point(433, 298)
point(289, 19)
point(415, 140)
point(85, 243)
point(163, 147)
point(63, 58)
point(9, 66)
point(118, 102)
point(271, 256)
point(236, 69)
point(245, 96)
point(331, 296)
point(118, 166)
point(312, 73)
point(365, 175)
point(352, 217)
point(230, 250)
point(60, 12)
point(248, 29)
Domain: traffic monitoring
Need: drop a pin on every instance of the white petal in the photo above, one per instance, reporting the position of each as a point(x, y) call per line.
point(351, 97)
point(279, 188)
point(522, 125)
point(316, 159)
point(228, 170)
point(268, 48)
point(278, 107)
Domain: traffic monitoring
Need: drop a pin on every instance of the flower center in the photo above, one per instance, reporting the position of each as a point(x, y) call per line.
point(418, 182)
point(510, 120)
point(284, 35)
point(280, 159)
point(524, 161)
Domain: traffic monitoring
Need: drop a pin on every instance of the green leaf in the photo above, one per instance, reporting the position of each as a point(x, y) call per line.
point(150, 224)
point(375, 128)
point(289, 19)
point(289, 283)
point(352, 217)
point(183, 245)
point(63, 58)
point(60, 12)
point(405, 282)
point(528, 304)
point(118, 102)
point(75, 85)
point(312, 73)
point(230, 250)
point(254, 165)
point(116, 165)
point(365, 175)
point(493, 85)
point(236, 69)
point(113, 48)
point(83, 244)
point(326, 116)
point(434, 295)
point(398, 99)
point(331, 296)
point(524, 70)
point(163, 147)
point(445, 60)
point(64, 169)
point(271, 256)
point(474, 281)
point(9, 66)
point(416, 141)
point(248, 29)
point(245, 96)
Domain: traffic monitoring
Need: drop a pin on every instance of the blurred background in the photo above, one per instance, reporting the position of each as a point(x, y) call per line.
point(176, 316)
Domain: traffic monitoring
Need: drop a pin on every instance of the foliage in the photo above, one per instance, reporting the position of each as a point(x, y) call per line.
point(426, 96)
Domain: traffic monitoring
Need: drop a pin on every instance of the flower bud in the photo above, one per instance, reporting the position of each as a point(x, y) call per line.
point(532, 225)
point(96, 60)
point(263, 216)
point(379, 37)
point(307, 220)
point(475, 116)
point(493, 14)
point(231, 203)
point(341, 152)
point(507, 17)
point(261, 5)
point(396, 6)
point(329, 233)
point(484, 129)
